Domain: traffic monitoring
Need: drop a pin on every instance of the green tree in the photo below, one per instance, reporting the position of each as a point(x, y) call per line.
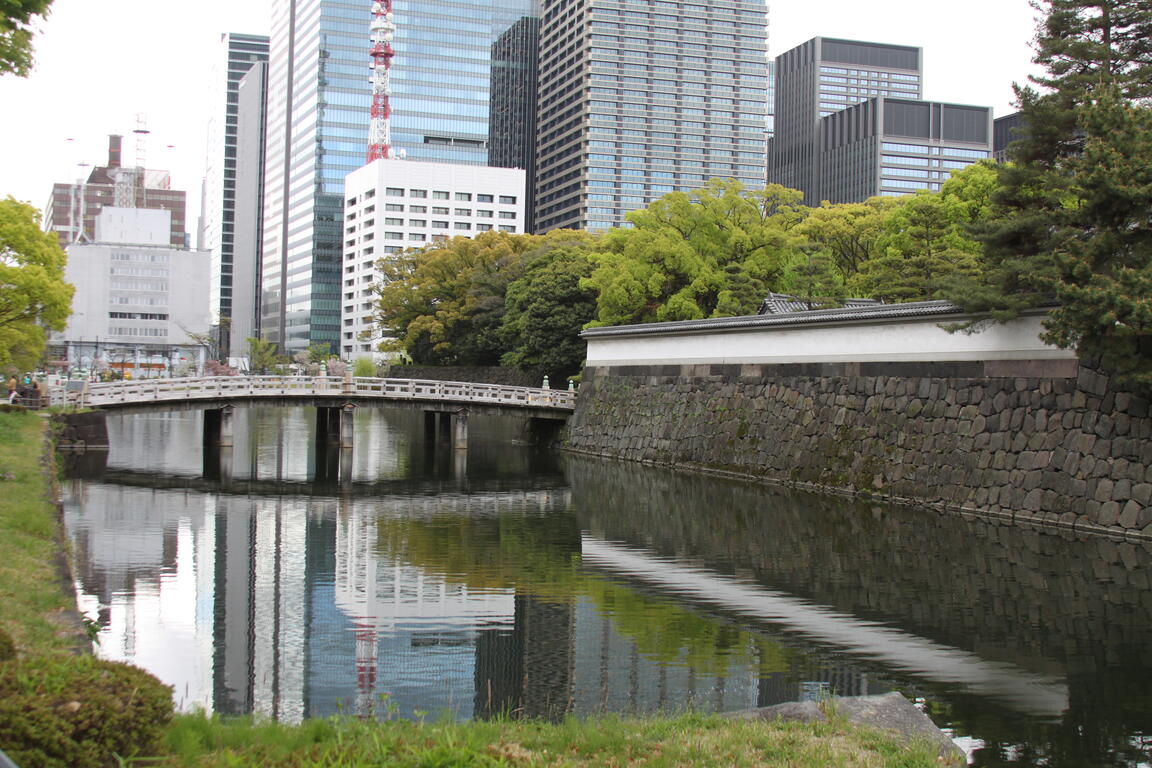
point(922, 251)
point(445, 304)
point(848, 233)
point(547, 308)
point(33, 295)
point(16, 19)
point(1069, 221)
point(713, 252)
point(263, 357)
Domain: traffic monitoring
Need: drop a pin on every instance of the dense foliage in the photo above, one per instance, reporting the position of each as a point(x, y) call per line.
point(1068, 225)
point(16, 34)
point(522, 300)
point(33, 295)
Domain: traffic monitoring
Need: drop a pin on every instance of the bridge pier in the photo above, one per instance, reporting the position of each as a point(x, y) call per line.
point(447, 427)
point(218, 426)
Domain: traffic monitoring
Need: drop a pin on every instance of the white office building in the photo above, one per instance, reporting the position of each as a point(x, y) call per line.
point(393, 205)
point(139, 301)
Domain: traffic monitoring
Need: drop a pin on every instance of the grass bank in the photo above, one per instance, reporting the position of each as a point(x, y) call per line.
point(689, 740)
point(37, 604)
point(38, 614)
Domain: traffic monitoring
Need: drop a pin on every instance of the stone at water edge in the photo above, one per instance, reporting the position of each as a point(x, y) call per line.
point(890, 712)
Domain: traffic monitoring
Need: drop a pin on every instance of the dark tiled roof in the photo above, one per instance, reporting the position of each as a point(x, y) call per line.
point(782, 303)
point(807, 317)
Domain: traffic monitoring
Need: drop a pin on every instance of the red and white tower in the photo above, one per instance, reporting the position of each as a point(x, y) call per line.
point(383, 30)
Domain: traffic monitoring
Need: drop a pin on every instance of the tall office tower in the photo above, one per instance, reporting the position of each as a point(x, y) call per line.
point(1006, 130)
point(237, 55)
point(512, 105)
point(318, 120)
point(73, 207)
point(637, 99)
point(893, 147)
point(251, 110)
point(821, 77)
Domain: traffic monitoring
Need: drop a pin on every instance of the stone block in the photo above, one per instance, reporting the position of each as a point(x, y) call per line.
point(1129, 515)
point(1107, 514)
point(1092, 382)
point(1104, 488)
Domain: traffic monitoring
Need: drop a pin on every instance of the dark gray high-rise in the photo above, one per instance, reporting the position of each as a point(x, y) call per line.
point(819, 78)
point(894, 147)
point(512, 105)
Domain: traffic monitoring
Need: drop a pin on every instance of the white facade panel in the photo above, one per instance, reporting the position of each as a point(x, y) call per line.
point(136, 304)
point(393, 205)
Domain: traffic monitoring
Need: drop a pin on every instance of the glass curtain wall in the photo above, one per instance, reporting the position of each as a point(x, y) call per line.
point(318, 132)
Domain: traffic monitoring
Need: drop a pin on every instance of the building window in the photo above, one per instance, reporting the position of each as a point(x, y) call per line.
point(484, 198)
point(507, 200)
point(394, 192)
point(440, 195)
point(465, 197)
point(418, 193)
point(507, 214)
point(463, 225)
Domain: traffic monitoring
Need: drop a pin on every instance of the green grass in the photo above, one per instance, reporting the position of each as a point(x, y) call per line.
point(196, 741)
point(34, 598)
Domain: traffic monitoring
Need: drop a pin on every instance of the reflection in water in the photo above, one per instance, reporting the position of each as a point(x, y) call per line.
point(495, 581)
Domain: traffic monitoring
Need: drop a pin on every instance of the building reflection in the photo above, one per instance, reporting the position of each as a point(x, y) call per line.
point(496, 588)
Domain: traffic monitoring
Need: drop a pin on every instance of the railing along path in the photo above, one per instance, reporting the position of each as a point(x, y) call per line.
point(144, 391)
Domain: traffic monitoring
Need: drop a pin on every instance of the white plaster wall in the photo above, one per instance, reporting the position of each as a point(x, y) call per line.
point(365, 230)
point(893, 341)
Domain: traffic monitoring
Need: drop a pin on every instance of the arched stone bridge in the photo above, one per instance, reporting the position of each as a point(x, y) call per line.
point(446, 404)
point(320, 391)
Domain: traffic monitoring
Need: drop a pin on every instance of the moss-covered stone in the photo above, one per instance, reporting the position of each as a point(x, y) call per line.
point(79, 712)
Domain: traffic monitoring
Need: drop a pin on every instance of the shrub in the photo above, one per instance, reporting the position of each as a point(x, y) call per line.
point(364, 368)
point(7, 647)
point(79, 712)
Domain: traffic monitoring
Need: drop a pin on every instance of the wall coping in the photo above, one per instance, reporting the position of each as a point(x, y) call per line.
point(837, 316)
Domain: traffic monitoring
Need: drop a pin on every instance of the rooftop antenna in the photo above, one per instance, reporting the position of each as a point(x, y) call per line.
point(141, 153)
point(383, 31)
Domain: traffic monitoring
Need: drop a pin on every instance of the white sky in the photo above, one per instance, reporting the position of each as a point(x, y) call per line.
point(101, 62)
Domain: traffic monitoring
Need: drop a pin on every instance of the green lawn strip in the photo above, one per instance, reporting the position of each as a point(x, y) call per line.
point(34, 598)
point(197, 741)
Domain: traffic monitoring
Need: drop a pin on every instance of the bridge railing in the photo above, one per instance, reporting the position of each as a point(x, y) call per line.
point(246, 387)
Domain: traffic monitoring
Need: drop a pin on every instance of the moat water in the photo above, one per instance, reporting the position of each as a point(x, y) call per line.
point(410, 578)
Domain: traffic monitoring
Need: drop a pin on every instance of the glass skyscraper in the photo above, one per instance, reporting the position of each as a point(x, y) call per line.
point(318, 119)
point(238, 54)
point(638, 98)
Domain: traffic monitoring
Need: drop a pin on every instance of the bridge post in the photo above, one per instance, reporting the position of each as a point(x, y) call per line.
point(226, 436)
point(347, 414)
point(460, 431)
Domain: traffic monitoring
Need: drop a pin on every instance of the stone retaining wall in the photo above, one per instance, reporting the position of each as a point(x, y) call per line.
point(1056, 445)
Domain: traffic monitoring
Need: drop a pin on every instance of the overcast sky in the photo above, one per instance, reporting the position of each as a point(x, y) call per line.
point(100, 63)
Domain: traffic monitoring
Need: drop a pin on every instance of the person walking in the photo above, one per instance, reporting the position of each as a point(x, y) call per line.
point(13, 393)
